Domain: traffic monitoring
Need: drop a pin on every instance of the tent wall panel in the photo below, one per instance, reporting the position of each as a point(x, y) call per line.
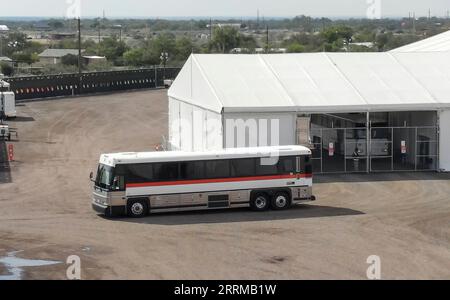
point(444, 144)
point(271, 129)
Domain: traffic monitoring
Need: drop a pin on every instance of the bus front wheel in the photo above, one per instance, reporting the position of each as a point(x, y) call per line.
point(137, 208)
point(259, 202)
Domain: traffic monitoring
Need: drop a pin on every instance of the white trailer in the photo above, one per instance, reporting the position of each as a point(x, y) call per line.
point(7, 100)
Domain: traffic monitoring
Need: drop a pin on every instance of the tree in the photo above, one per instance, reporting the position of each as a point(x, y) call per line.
point(134, 57)
point(184, 48)
point(6, 69)
point(164, 43)
point(28, 58)
point(295, 48)
point(335, 33)
point(113, 49)
point(69, 60)
point(225, 39)
point(382, 40)
point(248, 42)
point(56, 24)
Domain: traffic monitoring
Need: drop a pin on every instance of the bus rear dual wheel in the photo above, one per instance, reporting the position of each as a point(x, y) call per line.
point(263, 201)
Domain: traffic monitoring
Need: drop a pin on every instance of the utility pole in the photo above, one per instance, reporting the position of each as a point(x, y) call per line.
point(267, 39)
point(164, 57)
point(257, 19)
point(99, 24)
point(79, 57)
point(210, 29)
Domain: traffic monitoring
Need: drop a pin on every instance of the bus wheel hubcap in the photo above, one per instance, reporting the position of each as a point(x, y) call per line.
point(137, 208)
point(260, 202)
point(281, 201)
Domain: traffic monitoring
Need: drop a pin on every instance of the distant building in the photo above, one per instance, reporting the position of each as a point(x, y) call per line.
point(42, 27)
point(223, 25)
point(4, 59)
point(62, 36)
point(4, 28)
point(53, 56)
point(93, 59)
point(364, 44)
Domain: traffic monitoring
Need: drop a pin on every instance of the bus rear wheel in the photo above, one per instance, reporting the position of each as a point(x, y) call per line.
point(280, 201)
point(260, 202)
point(137, 208)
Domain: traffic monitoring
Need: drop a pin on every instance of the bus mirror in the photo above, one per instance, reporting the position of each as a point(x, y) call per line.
point(91, 176)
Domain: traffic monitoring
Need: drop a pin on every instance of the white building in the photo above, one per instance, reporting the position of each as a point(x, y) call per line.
point(359, 112)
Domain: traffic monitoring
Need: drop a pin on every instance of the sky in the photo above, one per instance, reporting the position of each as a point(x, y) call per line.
point(220, 8)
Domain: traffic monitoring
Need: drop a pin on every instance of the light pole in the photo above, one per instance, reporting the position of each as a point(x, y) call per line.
point(120, 31)
point(164, 58)
point(13, 45)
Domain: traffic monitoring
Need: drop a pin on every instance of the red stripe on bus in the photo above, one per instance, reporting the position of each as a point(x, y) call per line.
point(203, 181)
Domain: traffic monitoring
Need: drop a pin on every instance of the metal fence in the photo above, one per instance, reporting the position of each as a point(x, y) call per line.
point(378, 149)
point(46, 86)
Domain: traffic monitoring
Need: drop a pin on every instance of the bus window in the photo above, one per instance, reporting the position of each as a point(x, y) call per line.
point(287, 165)
point(104, 178)
point(139, 173)
point(165, 171)
point(217, 169)
point(265, 170)
point(119, 178)
point(243, 167)
point(306, 165)
point(192, 170)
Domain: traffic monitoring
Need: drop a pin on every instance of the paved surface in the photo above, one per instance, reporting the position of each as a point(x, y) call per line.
point(45, 211)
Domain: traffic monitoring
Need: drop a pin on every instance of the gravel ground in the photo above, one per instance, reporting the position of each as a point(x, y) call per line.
point(45, 211)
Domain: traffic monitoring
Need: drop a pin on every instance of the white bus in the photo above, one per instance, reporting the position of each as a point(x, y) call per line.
point(136, 184)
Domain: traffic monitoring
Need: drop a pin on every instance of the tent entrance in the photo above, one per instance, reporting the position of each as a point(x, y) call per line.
point(345, 143)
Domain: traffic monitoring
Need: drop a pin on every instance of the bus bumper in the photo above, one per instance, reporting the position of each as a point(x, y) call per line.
point(109, 210)
point(98, 208)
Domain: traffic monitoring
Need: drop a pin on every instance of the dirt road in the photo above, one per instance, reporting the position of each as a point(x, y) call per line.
point(45, 211)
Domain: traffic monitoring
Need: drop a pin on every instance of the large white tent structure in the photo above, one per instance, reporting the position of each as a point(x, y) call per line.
point(437, 43)
point(212, 90)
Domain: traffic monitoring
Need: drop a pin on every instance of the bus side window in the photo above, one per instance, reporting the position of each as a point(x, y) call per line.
point(192, 170)
point(306, 165)
point(119, 185)
point(165, 171)
point(287, 164)
point(119, 178)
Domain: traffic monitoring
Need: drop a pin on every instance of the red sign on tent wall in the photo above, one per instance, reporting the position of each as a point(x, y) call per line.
point(403, 147)
point(11, 152)
point(331, 149)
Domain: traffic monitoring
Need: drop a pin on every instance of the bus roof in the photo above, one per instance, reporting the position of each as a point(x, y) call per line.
point(170, 156)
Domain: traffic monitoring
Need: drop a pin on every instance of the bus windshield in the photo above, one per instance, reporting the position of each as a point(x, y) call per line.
point(104, 178)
